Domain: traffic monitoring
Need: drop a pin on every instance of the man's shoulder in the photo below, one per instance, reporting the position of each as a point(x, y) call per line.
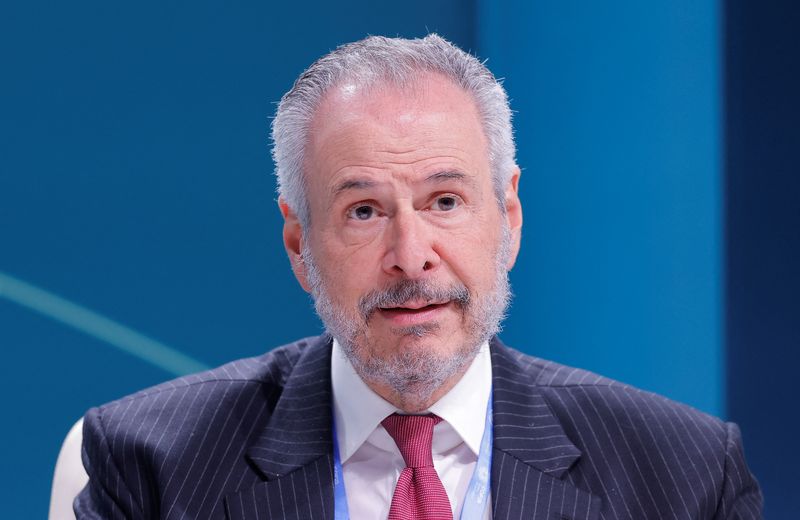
point(542, 372)
point(639, 450)
point(266, 373)
point(582, 397)
point(197, 428)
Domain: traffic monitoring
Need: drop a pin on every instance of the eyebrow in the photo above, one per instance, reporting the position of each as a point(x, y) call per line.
point(363, 184)
point(446, 176)
point(353, 184)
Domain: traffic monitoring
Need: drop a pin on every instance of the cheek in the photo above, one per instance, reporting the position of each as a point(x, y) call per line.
point(471, 256)
point(351, 273)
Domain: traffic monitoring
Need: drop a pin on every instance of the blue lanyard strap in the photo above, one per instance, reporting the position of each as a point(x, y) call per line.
point(477, 495)
point(476, 499)
point(340, 511)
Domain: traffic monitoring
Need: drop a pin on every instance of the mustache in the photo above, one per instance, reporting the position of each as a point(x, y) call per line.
point(397, 294)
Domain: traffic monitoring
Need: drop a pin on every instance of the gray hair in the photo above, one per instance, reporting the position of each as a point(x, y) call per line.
point(398, 61)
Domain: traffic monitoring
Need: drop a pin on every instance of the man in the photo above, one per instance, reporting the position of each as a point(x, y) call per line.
point(398, 186)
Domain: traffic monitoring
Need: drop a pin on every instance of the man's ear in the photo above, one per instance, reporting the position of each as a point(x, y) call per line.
point(514, 215)
point(293, 242)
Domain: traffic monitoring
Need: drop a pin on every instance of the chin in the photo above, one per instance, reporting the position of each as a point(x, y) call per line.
point(415, 366)
point(426, 345)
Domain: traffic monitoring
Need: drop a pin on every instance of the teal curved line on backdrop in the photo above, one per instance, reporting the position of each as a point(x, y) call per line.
point(100, 327)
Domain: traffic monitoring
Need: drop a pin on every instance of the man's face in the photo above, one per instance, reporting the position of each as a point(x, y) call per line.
point(407, 251)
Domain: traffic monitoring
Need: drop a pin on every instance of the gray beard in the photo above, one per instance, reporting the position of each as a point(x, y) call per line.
point(414, 376)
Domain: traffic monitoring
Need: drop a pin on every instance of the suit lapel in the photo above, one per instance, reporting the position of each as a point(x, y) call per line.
point(293, 453)
point(531, 451)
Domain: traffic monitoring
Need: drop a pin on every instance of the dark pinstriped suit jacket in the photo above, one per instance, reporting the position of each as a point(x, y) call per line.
point(252, 439)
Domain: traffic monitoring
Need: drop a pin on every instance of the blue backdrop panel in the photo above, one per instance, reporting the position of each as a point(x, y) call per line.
point(618, 117)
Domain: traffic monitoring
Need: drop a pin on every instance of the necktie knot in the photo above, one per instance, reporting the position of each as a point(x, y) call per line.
point(413, 435)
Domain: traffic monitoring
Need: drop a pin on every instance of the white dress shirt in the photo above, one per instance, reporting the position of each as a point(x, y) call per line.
point(371, 462)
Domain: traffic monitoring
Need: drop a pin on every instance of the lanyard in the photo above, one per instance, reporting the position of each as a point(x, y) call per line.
point(477, 493)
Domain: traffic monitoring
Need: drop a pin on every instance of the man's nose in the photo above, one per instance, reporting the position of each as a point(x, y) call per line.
point(410, 248)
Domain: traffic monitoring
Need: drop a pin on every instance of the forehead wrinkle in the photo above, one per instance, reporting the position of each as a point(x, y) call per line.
point(418, 155)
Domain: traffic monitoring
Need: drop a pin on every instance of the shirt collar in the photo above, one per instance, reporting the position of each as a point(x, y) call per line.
point(464, 406)
point(358, 410)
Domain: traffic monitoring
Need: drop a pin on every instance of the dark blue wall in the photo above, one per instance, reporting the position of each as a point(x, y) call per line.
point(763, 240)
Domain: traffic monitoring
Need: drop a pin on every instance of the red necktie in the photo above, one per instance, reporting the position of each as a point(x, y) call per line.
point(419, 494)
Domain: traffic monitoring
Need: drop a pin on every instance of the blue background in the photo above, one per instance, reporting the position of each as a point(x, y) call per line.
point(660, 239)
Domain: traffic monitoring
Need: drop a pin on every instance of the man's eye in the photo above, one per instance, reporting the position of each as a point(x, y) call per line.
point(445, 203)
point(362, 212)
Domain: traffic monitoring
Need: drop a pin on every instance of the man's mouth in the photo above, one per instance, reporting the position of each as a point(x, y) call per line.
point(413, 313)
